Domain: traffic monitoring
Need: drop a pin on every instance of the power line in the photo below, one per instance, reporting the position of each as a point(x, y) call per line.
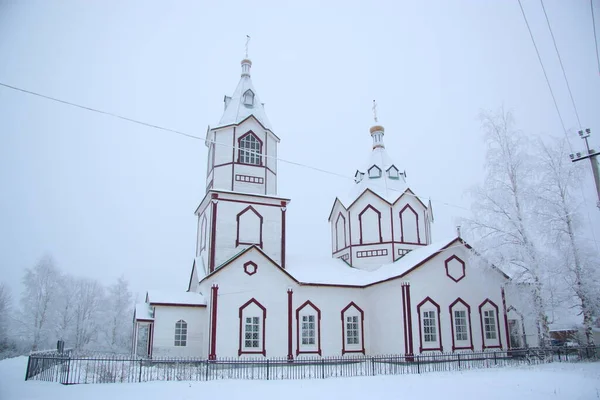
point(545, 74)
point(561, 64)
point(135, 121)
point(595, 36)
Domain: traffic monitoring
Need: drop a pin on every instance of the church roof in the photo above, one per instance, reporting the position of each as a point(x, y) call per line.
point(168, 298)
point(239, 107)
point(143, 312)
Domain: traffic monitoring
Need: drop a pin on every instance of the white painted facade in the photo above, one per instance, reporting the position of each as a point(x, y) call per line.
point(387, 289)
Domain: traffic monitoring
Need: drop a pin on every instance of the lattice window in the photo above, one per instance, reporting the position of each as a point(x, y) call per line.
point(250, 148)
point(352, 330)
point(308, 330)
point(181, 333)
point(429, 327)
point(252, 333)
point(460, 325)
point(489, 323)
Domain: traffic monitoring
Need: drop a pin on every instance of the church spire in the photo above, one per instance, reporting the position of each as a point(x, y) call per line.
point(377, 130)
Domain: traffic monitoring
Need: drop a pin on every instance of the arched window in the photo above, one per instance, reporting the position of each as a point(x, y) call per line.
point(181, 333)
point(250, 149)
point(353, 332)
point(429, 325)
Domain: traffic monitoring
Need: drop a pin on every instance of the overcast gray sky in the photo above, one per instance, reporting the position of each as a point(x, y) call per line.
point(107, 197)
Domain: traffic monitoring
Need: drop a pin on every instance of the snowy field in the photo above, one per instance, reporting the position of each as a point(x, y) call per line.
point(572, 381)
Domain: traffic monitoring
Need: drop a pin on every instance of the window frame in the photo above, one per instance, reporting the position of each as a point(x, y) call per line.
point(259, 312)
point(428, 305)
point(489, 343)
point(180, 337)
point(352, 310)
point(243, 151)
point(245, 96)
point(308, 309)
point(461, 305)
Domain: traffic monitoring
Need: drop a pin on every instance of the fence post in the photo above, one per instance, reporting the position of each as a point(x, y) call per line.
point(322, 368)
point(140, 376)
point(28, 365)
point(418, 367)
point(458, 361)
point(206, 369)
point(68, 370)
point(372, 366)
point(495, 360)
point(267, 369)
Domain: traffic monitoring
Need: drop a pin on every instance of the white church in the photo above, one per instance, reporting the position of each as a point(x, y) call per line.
point(386, 289)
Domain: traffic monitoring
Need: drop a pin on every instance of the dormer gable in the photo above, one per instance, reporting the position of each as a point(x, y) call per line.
point(374, 172)
point(248, 98)
point(358, 176)
point(393, 172)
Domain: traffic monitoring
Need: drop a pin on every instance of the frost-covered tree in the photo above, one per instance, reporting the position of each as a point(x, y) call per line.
point(89, 299)
point(118, 316)
point(38, 300)
point(504, 220)
point(65, 310)
point(5, 309)
point(576, 264)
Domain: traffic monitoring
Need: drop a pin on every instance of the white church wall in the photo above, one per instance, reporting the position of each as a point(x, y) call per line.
point(165, 319)
point(386, 324)
point(370, 226)
point(224, 141)
point(268, 286)
point(271, 162)
point(478, 284)
point(271, 182)
point(222, 177)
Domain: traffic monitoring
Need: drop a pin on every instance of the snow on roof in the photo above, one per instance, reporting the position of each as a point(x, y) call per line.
point(236, 110)
point(184, 298)
point(336, 272)
point(142, 311)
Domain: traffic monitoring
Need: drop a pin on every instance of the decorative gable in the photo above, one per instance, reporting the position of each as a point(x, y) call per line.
point(358, 176)
point(455, 268)
point(393, 172)
point(374, 172)
point(248, 98)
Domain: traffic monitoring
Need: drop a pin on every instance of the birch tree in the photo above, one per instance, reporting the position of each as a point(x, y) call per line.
point(87, 311)
point(119, 312)
point(503, 210)
point(5, 308)
point(41, 286)
point(560, 207)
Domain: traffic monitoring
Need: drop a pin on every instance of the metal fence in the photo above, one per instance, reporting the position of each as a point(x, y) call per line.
point(73, 368)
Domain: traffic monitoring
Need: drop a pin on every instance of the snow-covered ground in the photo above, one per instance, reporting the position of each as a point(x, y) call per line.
point(551, 381)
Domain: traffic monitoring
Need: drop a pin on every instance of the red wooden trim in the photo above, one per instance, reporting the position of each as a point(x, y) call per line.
point(450, 309)
point(362, 329)
point(402, 225)
point(410, 325)
point(505, 318)
point(178, 305)
point(290, 293)
point(405, 311)
point(337, 233)
point(260, 150)
point(283, 214)
point(455, 257)
point(249, 202)
point(213, 234)
point(337, 200)
point(483, 346)
point(392, 230)
point(257, 180)
point(248, 270)
point(213, 328)
point(241, 163)
point(308, 303)
point(360, 222)
point(244, 120)
point(203, 228)
point(266, 159)
point(232, 157)
point(237, 218)
point(439, 327)
point(374, 253)
point(264, 319)
point(350, 234)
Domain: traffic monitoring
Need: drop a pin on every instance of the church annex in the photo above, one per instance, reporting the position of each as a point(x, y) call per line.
point(387, 288)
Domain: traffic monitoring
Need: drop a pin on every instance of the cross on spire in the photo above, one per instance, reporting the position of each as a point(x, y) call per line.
point(375, 110)
point(247, 41)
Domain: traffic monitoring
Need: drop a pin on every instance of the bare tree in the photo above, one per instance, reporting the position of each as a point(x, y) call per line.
point(41, 286)
point(503, 210)
point(65, 309)
point(5, 308)
point(87, 311)
point(559, 209)
point(119, 311)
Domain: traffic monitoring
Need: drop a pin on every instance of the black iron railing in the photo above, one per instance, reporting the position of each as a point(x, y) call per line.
point(74, 368)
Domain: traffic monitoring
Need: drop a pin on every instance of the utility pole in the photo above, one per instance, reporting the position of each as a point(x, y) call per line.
point(591, 155)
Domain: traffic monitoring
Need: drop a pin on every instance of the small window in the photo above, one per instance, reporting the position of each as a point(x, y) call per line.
point(181, 333)
point(308, 330)
point(374, 172)
point(248, 97)
point(460, 325)
point(429, 327)
point(352, 330)
point(250, 149)
point(489, 323)
point(252, 333)
point(358, 176)
point(393, 172)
